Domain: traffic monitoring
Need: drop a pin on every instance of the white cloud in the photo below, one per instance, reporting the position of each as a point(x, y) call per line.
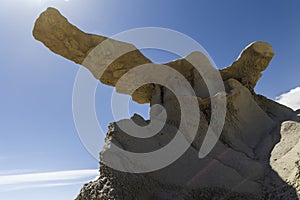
point(290, 99)
point(8, 188)
point(15, 172)
point(45, 179)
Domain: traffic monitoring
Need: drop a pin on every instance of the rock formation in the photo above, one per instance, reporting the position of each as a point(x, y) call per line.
point(256, 157)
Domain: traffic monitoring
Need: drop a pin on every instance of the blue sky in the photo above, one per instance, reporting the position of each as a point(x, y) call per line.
point(38, 137)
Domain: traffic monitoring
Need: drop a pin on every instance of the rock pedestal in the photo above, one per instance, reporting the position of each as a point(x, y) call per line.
point(256, 157)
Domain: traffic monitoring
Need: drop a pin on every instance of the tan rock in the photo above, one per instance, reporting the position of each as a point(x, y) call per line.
point(61, 37)
point(249, 65)
point(242, 165)
point(115, 58)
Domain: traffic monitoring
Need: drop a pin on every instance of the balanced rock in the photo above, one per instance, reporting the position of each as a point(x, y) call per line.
point(249, 65)
point(64, 39)
point(117, 58)
point(255, 157)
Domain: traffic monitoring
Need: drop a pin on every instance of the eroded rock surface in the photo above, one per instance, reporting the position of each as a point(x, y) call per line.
point(63, 38)
point(256, 157)
point(249, 65)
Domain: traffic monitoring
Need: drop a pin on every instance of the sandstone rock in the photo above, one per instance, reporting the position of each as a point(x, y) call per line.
point(256, 157)
point(246, 123)
point(285, 157)
point(64, 39)
point(249, 65)
point(115, 58)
